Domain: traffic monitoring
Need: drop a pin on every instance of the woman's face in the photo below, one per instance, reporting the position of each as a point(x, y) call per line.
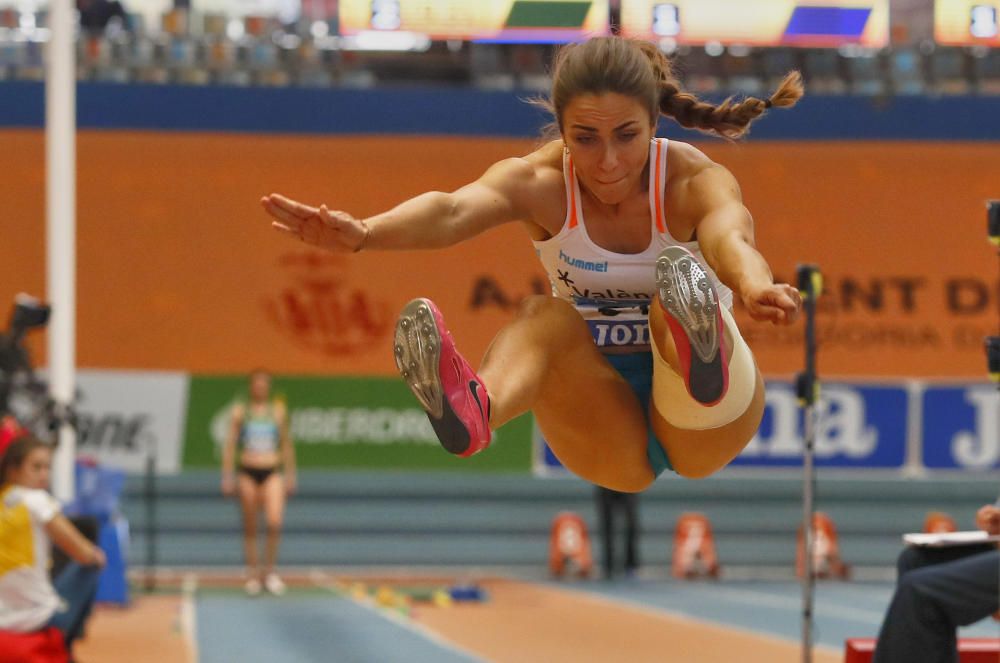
point(260, 386)
point(608, 137)
point(34, 472)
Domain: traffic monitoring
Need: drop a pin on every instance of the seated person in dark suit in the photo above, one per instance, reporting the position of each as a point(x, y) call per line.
point(938, 590)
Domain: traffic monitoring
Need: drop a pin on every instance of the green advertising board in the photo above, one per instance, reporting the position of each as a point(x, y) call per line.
point(346, 422)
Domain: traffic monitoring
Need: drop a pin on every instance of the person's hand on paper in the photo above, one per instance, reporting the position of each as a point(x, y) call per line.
point(988, 519)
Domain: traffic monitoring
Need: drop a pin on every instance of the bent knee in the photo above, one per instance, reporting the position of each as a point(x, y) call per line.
point(539, 305)
point(696, 468)
point(555, 315)
point(908, 560)
point(697, 454)
point(693, 457)
point(628, 482)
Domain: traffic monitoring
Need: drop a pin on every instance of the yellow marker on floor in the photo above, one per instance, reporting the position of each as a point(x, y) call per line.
point(385, 596)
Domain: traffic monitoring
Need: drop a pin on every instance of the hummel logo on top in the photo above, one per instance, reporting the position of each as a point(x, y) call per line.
point(583, 264)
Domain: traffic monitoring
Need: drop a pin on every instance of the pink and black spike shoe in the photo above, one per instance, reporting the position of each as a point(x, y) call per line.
point(690, 305)
point(451, 393)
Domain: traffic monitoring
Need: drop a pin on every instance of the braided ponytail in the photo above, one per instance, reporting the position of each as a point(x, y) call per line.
point(730, 119)
point(639, 69)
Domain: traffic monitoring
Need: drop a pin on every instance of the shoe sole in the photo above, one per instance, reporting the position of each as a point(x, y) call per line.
point(417, 351)
point(686, 293)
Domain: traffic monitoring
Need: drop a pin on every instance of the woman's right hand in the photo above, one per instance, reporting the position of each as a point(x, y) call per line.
point(227, 486)
point(778, 303)
point(332, 230)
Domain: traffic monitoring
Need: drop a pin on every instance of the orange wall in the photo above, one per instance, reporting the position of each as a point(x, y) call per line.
point(178, 268)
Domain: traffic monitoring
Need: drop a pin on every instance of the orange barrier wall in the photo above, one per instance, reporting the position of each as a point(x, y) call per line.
point(178, 268)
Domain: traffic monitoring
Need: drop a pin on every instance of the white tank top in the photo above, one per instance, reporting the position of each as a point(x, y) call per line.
point(612, 291)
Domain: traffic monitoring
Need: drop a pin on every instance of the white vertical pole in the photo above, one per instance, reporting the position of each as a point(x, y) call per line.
point(60, 154)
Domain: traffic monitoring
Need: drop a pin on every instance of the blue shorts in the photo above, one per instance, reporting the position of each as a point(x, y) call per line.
point(637, 369)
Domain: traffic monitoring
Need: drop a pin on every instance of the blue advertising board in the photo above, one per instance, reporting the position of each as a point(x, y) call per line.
point(860, 426)
point(961, 427)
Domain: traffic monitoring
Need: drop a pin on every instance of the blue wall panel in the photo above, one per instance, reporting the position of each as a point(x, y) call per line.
point(961, 427)
point(868, 426)
point(461, 111)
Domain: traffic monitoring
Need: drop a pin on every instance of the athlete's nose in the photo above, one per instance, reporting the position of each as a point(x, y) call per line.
point(609, 160)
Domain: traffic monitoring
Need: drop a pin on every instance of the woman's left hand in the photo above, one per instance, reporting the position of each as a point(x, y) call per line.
point(291, 484)
point(988, 519)
point(779, 303)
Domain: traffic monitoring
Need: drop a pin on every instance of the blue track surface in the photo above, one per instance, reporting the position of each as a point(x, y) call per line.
point(842, 610)
point(307, 629)
point(317, 627)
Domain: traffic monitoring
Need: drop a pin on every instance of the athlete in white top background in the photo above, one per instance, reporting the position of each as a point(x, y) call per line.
point(634, 365)
point(31, 520)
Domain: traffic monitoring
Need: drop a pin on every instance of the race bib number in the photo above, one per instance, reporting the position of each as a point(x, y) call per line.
point(619, 332)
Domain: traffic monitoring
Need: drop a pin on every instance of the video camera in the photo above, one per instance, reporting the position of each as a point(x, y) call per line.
point(28, 313)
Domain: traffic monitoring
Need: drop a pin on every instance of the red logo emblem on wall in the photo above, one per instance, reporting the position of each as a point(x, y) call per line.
point(321, 311)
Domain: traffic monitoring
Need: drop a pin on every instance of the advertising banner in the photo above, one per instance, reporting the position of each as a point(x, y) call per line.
point(241, 295)
point(530, 21)
point(967, 22)
point(760, 23)
point(372, 423)
point(126, 416)
point(861, 426)
point(961, 427)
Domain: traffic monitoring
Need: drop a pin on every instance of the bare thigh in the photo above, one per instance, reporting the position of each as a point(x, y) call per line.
point(249, 500)
point(273, 492)
point(589, 414)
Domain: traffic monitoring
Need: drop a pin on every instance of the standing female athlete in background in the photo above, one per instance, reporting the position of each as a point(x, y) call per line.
point(635, 364)
point(260, 429)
